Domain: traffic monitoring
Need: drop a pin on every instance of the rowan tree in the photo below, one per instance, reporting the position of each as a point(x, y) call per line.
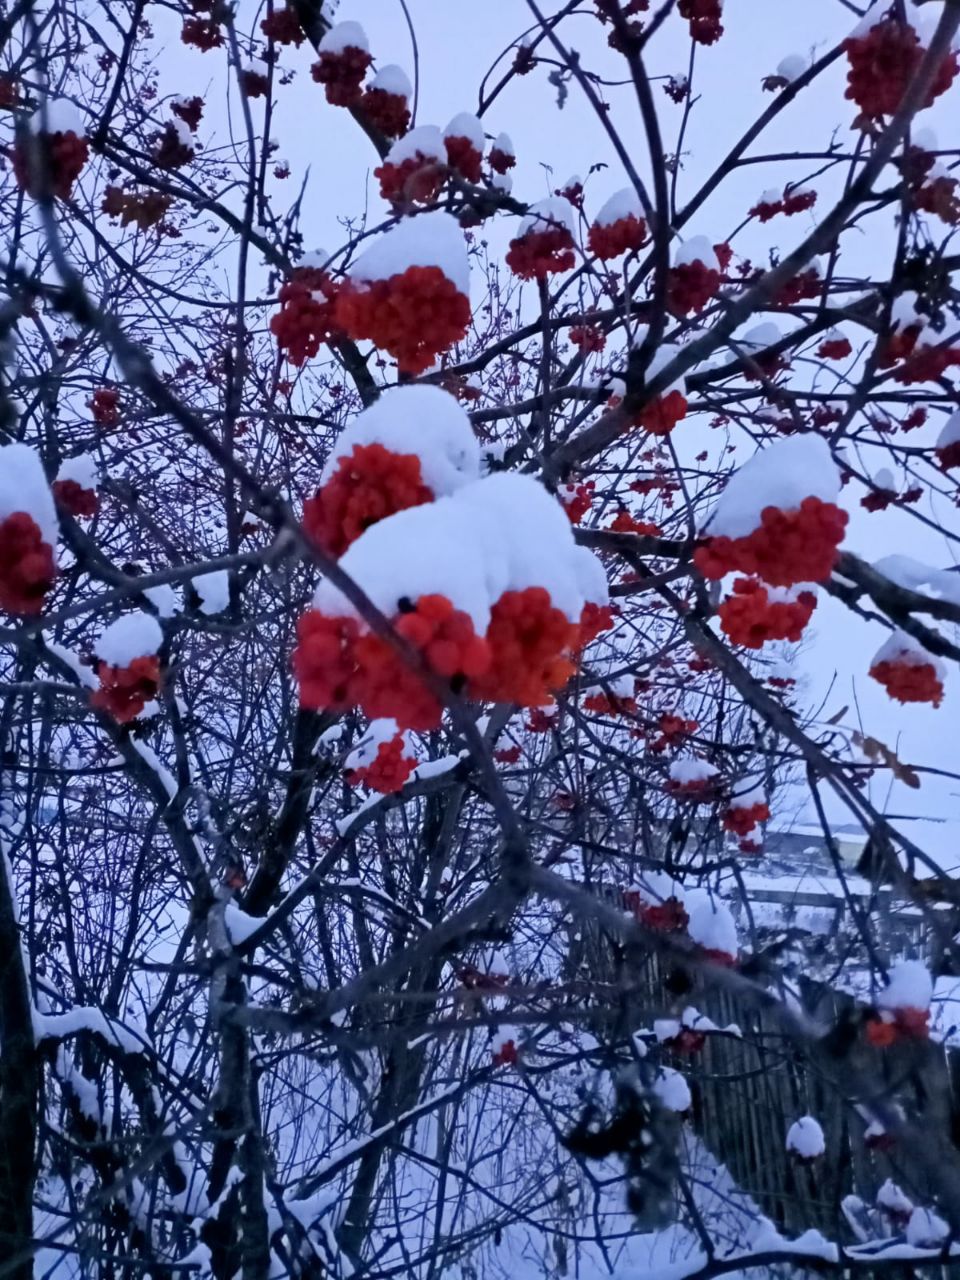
point(403, 644)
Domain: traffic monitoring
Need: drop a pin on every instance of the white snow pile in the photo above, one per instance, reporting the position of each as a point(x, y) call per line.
point(427, 240)
point(214, 591)
point(465, 125)
point(377, 733)
point(805, 1138)
point(135, 635)
point(345, 35)
point(622, 204)
point(425, 139)
point(792, 67)
point(910, 987)
point(503, 143)
point(393, 79)
point(905, 312)
point(687, 770)
point(81, 469)
point(501, 533)
point(420, 420)
point(753, 795)
point(893, 1200)
point(23, 487)
point(902, 648)
point(501, 182)
point(950, 434)
point(697, 249)
point(672, 1090)
point(926, 1229)
point(780, 475)
point(546, 215)
point(664, 355)
point(164, 599)
point(57, 115)
point(916, 576)
point(711, 924)
point(762, 335)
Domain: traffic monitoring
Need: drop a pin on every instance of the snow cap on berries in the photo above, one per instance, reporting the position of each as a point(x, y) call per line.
point(910, 987)
point(780, 475)
point(135, 635)
point(420, 420)
point(24, 488)
point(805, 1138)
point(427, 240)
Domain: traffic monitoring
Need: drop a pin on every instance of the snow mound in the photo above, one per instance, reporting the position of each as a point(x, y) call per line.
point(910, 987)
point(780, 475)
point(421, 420)
point(465, 125)
point(426, 138)
point(622, 204)
point(805, 1138)
point(426, 240)
point(345, 35)
point(135, 635)
point(23, 487)
point(548, 215)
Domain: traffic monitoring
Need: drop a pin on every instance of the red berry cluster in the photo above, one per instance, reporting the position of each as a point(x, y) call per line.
point(686, 1041)
point(696, 790)
point(540, 722)
point(808, 284)
point(661, 415)
point(369, 484)
point(169, 149)
point(27, 567)
point(690, 286)
point(742, 819)
point(507, 755)
point(588, 337)
point(949, 455)
point(576, 500)
point(835, 349)
point(416, 180)
point(254, 83)
point(75, 499)
point(414, 316)
point(9, 92)
point(104, 404)
point(144, 209)
point(909, 681)
point(791, 202)
point(704, 17)
point(788, 547)
point(56, 159)
point(190, 111)
point(202, 33)
point(939, 197)
point(672, 731)
point(500, 161)
point(927, 363)
point(389, 769)
point(765, 210)
point(324, 661)
point(464, 158)
point(283, 27)
point(506, 1054)
point(669, 916)
point(531, 644)
point(750, 618)
point(125, 691)
point(610, 704)
point(388, 112)
point(882, 62)
point(306, 316)
point(624, 522)
point(677, 88)
point(538, 254)
point(341, 73)
point(594, 620)
point(622, 236)
point(906, 1024)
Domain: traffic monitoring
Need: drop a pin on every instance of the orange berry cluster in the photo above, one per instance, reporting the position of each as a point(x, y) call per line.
point(538, 254)
point(389, 769)
point(341, 73)
point(882, 62)
point(909, 681)
point(464, 158)
point(369, 484)
point(388, 112)
point(414, 316)
point(417, 179)
point(742, 819)
point(622, 236)
point(104, 404)
point(125, 691)
point(75, 499)
point(531, 644)
point(283, 26)
point(305, 320)
point(662, 414)
point(690, 286)
point(750, 618)
point(704, 17)
point(54, 159)
point(787, 548)
point(906, 1024)
point(27, 567)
